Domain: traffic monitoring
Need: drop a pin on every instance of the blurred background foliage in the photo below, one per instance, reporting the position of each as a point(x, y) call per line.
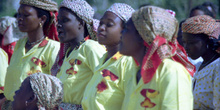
point(181, 7)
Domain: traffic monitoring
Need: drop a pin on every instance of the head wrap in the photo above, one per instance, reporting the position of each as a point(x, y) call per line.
point(159, 28)
point(204, 24)
point(122, 10)
point(10, 30)
point(48, 5)
point(85, 12)
point(48, 89)
point(11, 34)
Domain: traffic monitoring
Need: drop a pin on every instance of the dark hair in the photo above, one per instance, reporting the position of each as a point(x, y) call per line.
point(86, 32)
point(202, 8)
point(212, 5)
point(1, 38)
point(41, 12)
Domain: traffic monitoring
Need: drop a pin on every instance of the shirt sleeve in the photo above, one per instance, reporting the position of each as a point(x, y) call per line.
point(175, 87)
point(93, 52)
point(216, 88)
point(3, 68)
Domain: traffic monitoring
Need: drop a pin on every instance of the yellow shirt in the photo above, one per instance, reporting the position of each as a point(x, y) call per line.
point(39, 58)
point(3, 68)
point(169, 89)
point(105, 91)
point(77, 70)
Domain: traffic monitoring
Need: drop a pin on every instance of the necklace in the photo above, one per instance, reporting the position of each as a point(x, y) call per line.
point(31, 43)
point(203, 65)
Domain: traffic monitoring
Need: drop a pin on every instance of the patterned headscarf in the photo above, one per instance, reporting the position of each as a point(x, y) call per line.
point(50, 6)
point(10, 30)
point(48, 89)
point(122, 10)
point(204, 24)
point(84, 11)
point(159, 28)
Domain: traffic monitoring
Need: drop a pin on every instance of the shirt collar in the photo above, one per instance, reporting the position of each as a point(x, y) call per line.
point(44, 42)
point(116, 56)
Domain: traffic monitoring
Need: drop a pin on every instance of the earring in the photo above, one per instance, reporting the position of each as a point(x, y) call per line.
point(26, 103)
point(40, 25)
point(207, 46)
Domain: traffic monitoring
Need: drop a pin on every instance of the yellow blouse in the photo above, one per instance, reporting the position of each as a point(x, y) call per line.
point(77, 70)
point(169, 89)
point(105, 91)
point(39, 58)
point(3, 68)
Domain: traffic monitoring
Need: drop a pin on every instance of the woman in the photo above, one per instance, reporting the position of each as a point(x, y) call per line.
point(10, 34)
point(200, 39)
point(163, 80)
point(3, 68)
point(75, 28)
point(200, 10)
point(34, 53)
point(106, 88)
point(38, 92)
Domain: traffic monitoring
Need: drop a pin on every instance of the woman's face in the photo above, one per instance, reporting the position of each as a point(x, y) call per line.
point(196, 13)
point(28, 19)
point(194, 45)
point(131, 41)
point(68, 26)
point(109, 30)
point(22, 95)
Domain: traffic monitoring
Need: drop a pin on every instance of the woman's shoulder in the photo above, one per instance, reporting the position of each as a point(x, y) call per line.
point(172, 68)
point(92, 45)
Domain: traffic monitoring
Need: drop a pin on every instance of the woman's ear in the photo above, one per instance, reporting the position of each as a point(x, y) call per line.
point(43, 19)
point(81, 24)
point(32, 100)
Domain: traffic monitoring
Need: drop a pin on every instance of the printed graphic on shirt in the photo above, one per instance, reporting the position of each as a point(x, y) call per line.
point(38, 62)
point(32, 71)
point(71, 71)
point(73, 62)
point(148, 93)
point(109, 75)
point(102, 86)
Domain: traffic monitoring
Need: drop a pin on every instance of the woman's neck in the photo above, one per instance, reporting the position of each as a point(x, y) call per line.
point(112, 50)
point(35, 35)
point(73, 43)
point(209, 55)
point(139, 55)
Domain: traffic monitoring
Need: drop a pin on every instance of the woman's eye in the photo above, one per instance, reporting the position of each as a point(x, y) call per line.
point(110, 24)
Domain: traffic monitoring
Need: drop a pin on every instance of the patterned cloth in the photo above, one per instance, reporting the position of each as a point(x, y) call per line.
point(204, 24)
point(39, 59)
point(10, 30)
point(11, 33)
point(159, 29)
point(122, 10)
point(84, 11)
point(206, 91)
point(67, 106)
point(106, 89)
point(48, 5)
point(51, 6)
point(48, 89)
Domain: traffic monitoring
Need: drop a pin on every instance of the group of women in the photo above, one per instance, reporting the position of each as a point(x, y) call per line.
point(129, 60)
